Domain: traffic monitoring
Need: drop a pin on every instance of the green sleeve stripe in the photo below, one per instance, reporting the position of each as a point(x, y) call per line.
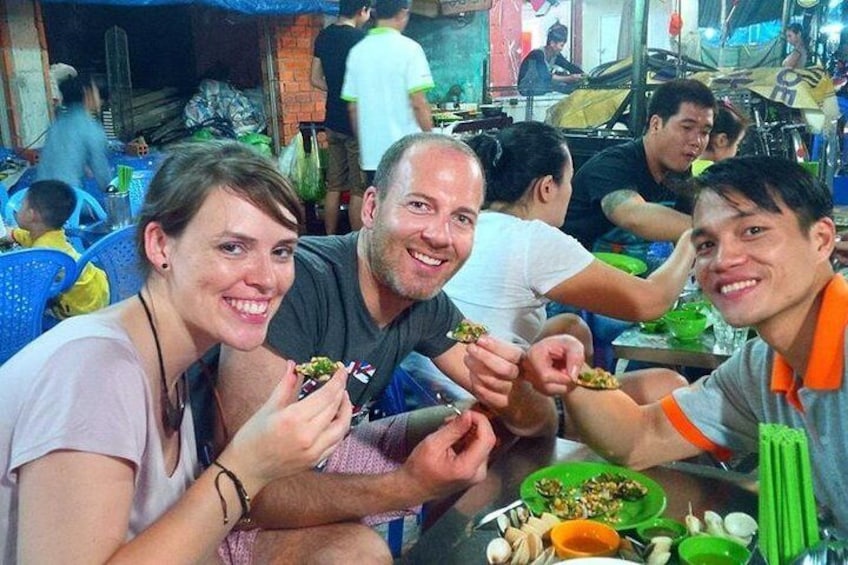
point(421, 88)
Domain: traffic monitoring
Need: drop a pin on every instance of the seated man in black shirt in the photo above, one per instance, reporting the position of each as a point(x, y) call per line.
point(618, 194)
point(546, 70)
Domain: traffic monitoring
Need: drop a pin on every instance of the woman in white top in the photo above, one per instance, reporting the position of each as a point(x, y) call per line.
point(797, 38)
point(521, 260)
point(98, 460)
point(728, 131)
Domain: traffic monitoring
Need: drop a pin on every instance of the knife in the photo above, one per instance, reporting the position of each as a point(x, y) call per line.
point(495, 513)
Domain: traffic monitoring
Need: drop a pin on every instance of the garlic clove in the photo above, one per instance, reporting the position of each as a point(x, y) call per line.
point(693, 523)
point(740, 525)
point(498, 552)
point(714, 524)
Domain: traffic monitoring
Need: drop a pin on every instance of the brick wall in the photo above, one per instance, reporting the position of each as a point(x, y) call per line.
point(299, 101)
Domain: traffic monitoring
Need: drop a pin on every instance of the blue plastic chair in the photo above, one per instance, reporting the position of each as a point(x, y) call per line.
point(4, 197)
point(116, 254)
point(85, 202)
point(28, 279)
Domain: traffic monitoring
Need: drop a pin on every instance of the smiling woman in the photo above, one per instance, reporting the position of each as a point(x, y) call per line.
point(217, 232)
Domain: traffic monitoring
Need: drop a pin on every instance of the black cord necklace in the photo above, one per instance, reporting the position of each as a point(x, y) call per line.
point(172, 416)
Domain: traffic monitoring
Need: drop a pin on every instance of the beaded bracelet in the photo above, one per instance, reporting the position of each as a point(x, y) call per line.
point(244, 498)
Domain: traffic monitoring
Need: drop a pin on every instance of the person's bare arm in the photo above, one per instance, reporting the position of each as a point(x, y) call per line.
point(491, 369)
point(608, 421)
point(791, 61)
point(567, 79)
point(655, 222)
point(316, 75)
point(619, 430)
point(606, 290)
point(421, 109)
point(74, 506)
point(311, 498)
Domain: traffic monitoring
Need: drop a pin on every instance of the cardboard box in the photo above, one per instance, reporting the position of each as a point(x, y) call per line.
point(434, 8)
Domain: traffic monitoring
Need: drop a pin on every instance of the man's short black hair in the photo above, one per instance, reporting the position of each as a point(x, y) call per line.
point(386, 9)
point(54, 201)
point(667, 98)
point(349, 8)
point(558, 33)
point(764, 180)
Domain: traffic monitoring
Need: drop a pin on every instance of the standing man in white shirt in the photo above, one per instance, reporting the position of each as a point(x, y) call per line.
point(385, 85)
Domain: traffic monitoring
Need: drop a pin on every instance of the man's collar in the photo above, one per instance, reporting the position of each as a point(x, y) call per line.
point(382, 30)
point(825, 367)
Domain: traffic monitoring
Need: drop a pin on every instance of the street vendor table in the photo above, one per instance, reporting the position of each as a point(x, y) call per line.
point(451, 538)
point(663, 349)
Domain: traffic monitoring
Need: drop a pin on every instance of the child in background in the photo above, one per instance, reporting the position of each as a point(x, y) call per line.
point(45, 209)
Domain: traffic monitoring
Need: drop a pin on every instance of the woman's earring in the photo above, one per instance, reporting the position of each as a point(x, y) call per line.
point(164, 265)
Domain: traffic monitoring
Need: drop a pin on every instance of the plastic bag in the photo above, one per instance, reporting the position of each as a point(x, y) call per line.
point(304, 170)
point(311, 184)
point(291, 158)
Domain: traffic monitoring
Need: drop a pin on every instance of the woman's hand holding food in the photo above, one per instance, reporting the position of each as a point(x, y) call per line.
point(285, 437)
point(553, 364)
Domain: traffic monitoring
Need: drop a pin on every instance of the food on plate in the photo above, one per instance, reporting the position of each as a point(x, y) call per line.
point(315, 373)
point(549, 488)
point(467, 331)
point(442, 117)
point(597, 379)
point(601, 496)
point(619, 485)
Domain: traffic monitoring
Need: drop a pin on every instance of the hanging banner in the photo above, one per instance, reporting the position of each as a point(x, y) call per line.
point(810, 90)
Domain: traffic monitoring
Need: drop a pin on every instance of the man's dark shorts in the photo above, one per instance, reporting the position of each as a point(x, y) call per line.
point(343, 170)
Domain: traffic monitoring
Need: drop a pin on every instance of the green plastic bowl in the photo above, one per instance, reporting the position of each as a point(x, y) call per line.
point(712, 550)
point(661, 527)
point(685, 325)
point(653, 326)
point(701, 306)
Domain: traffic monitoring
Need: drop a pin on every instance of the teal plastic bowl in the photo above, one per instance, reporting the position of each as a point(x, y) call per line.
point(712, 550)
point(685, 325)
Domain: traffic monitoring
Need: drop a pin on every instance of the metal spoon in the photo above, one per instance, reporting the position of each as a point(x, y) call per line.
point(447, 402)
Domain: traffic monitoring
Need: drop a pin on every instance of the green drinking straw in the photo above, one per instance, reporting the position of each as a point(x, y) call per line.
point(767, 510)
point(125, 175)
point(792, 531)
point(808, 499)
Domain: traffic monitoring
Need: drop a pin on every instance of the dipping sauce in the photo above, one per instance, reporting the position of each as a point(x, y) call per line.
point(588, 545)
